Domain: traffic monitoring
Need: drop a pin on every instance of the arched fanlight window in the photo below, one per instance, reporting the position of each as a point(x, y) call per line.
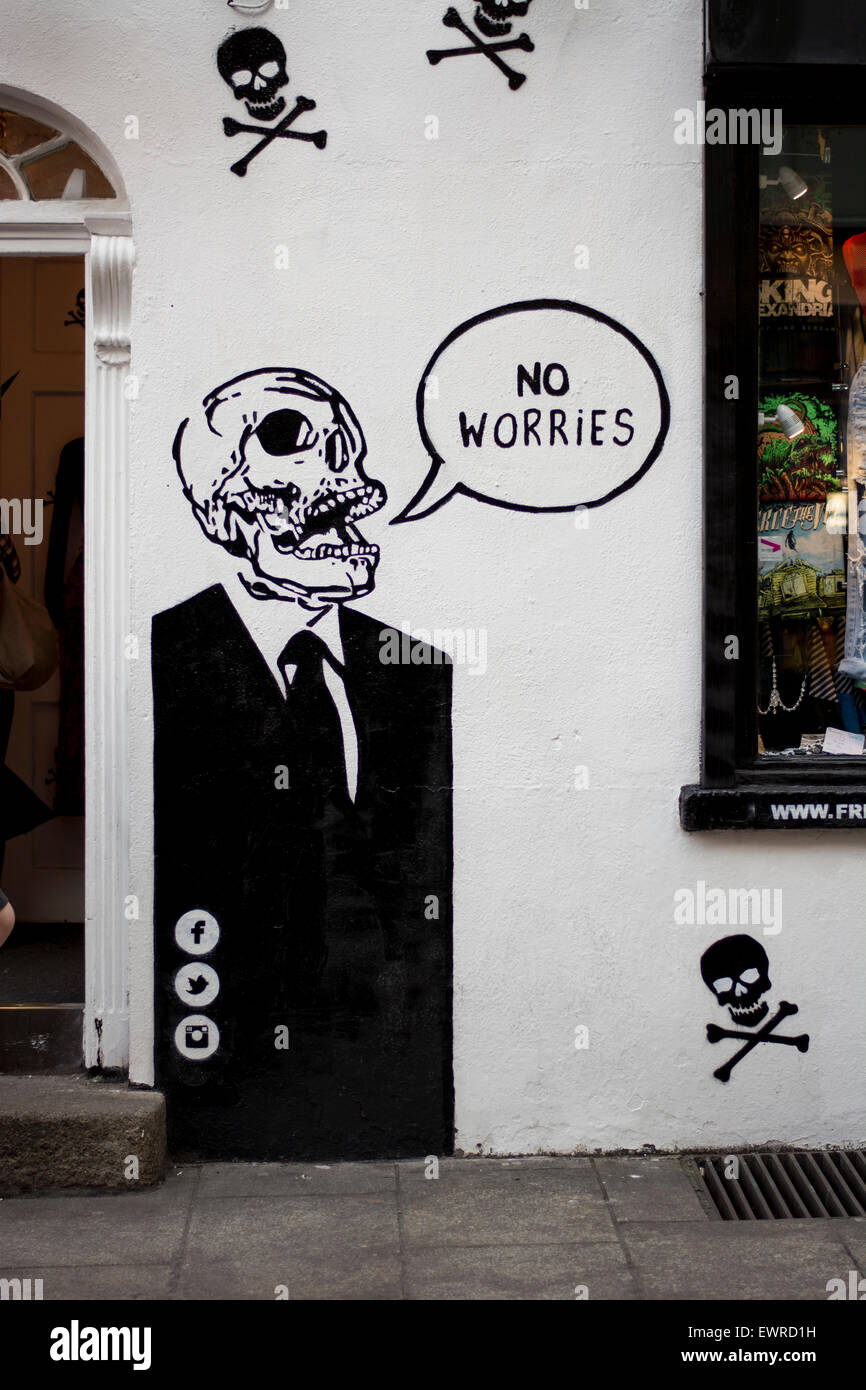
point(39, 162)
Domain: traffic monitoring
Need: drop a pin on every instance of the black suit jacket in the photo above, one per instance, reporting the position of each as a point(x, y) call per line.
point(367, 1072)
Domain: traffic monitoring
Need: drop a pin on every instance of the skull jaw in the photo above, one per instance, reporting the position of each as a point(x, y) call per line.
point(262, 110)
point(496, 23)
point(313, 584)
point(750, 1015)
point(491, 28)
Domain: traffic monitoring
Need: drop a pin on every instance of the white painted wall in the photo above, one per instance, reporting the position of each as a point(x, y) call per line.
point(563, 898)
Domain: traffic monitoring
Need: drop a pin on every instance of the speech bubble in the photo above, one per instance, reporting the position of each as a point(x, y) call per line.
point(541, 406)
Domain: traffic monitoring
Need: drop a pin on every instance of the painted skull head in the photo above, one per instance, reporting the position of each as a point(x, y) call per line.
point(736, 970)
point(493, 17)
point(273, 467)
point(253, 63)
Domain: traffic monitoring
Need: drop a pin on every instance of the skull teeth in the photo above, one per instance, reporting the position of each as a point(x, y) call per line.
point(743, 1014)
point(260, 501)
point(354, 502)
point(342, 552)
point(291, 527)
point(265, 110)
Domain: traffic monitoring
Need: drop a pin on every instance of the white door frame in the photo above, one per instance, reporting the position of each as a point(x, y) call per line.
point(101, 230)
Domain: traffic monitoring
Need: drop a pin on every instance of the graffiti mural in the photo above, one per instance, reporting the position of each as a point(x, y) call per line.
point(493, 22)
point(737, 970)
point(302, 807)
point(253, 63)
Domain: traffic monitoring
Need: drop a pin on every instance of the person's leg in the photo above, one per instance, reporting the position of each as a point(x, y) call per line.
point(7, 921)
point(7, 709)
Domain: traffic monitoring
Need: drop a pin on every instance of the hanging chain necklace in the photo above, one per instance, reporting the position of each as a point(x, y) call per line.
point(776, 702)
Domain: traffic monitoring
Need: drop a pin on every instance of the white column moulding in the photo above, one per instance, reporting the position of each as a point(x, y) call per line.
point(106, 588)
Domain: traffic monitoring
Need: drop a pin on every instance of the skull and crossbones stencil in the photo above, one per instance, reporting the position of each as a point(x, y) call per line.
point(253, 63)
point(273, 465)
point(493, 20)
point(736, 969)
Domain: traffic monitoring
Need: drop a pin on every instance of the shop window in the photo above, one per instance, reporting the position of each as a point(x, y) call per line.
point(39, 163)
point(784, 708)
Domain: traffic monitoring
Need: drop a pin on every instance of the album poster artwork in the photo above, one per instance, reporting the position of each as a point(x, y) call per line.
point(796, 259)
point(801, 564)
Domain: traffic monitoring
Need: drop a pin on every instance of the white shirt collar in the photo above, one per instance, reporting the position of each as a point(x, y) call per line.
point(272, 622)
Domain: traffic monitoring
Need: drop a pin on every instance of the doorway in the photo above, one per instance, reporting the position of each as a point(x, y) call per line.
point(42, 375)
point(62, 197)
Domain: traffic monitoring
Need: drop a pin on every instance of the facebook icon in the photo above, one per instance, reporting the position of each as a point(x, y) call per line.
point(197, 932)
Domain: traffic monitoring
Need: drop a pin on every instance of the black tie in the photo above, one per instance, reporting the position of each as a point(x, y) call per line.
point(318, 770)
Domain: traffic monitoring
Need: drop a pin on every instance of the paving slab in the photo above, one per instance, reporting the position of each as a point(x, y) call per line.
point(97, 1283)
point(486, 1229)
point(519, 1273)
point(265, 1233)
point(649, 1189)
point(350, 1275)
point(735, 1260)
point(313, 1246)
point(296, 1179)
point(484, 1202)
point(852, 1234)
point(95, 1230)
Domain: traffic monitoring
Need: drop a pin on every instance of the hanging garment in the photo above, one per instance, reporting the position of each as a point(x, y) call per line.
point(64, 597)
point(69, 756)
point(20, 809)
point(28, 644)
point(855, 641)
point(821, 686)
point(9, 558)
point(854, 256)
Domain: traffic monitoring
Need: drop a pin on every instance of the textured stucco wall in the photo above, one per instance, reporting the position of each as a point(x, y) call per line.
point(563, 898)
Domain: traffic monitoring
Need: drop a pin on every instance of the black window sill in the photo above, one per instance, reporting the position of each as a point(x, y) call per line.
point(781, 806)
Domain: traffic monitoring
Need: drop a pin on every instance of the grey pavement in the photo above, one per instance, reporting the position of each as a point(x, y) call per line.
point(633, 1228)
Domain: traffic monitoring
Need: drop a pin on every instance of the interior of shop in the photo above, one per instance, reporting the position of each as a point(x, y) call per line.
point(811, 445)
point(42, 317)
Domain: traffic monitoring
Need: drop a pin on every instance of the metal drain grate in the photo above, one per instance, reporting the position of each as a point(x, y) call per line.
point(773, 1186)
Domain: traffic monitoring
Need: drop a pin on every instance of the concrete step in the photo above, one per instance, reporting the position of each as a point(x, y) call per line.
point(78, 1131)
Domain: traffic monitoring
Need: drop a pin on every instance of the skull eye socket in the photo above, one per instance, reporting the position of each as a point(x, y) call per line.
point(749, 977)
point(285, 432)
point(269, 69)
point(722, 986)
point(242, 78)
point(334, 453)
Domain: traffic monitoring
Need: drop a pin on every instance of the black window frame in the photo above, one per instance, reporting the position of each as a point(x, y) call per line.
point(737, 787)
